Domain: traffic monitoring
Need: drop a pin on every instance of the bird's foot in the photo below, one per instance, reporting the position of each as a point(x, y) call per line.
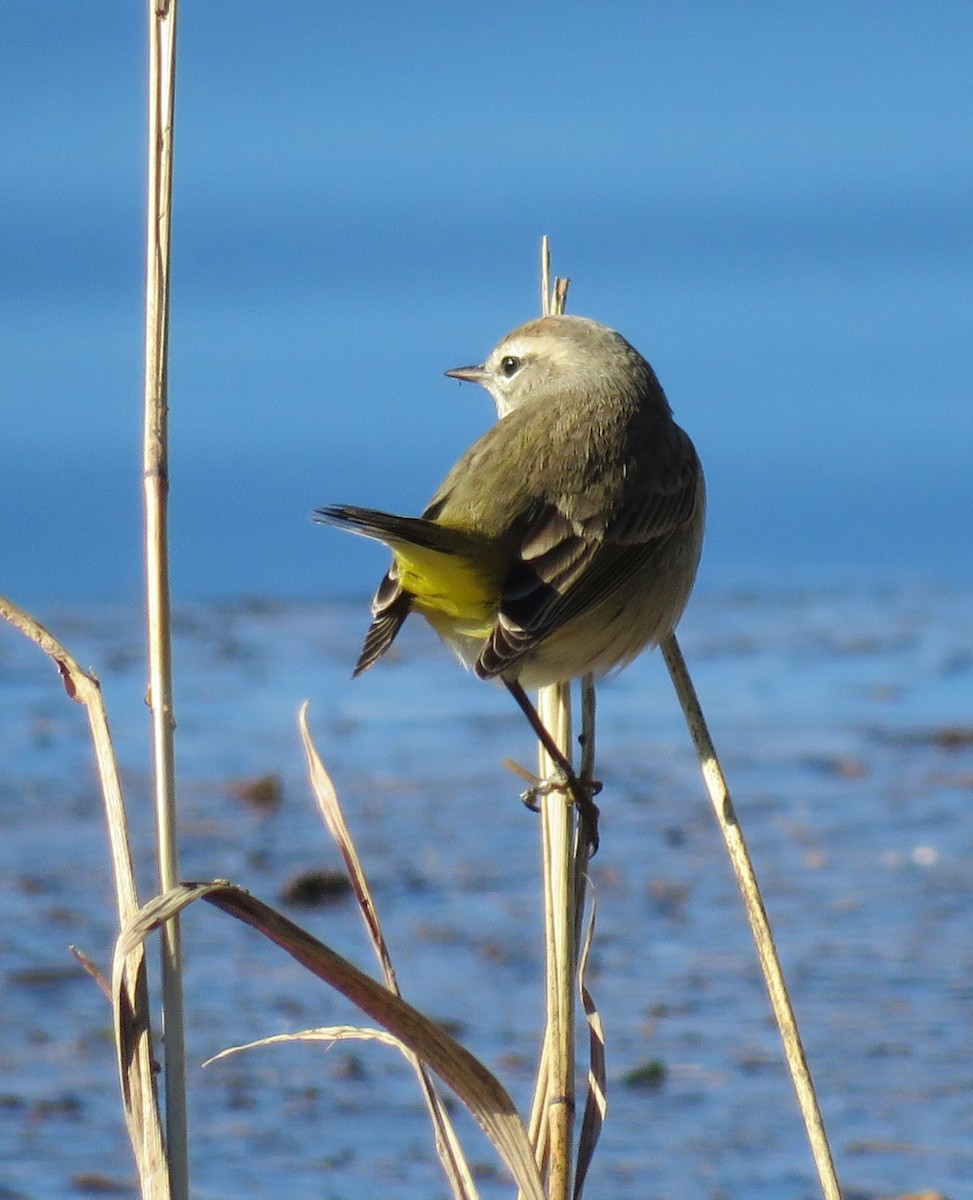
point(560, 781)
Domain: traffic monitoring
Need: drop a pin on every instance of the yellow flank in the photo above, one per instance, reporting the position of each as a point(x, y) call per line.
point(451, 592)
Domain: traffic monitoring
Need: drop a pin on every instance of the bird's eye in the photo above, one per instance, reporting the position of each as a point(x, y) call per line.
point(509, 366)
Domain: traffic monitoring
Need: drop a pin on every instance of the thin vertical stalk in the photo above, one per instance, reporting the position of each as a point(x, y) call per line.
point(558, 826)
point(719, 794)
point(556, 1090)
point(162, 62)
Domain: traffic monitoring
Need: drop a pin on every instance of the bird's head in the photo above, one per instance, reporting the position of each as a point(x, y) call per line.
point(556, 358)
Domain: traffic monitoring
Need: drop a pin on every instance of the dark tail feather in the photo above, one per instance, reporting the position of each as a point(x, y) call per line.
point(387, 527)
point(386, 624)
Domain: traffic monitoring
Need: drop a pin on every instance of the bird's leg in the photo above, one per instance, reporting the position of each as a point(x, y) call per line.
point(582, 796)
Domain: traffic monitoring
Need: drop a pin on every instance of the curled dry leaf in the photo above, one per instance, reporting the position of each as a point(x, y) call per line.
point(326, 1033)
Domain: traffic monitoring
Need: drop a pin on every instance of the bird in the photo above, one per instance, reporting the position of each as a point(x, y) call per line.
point(566, 539)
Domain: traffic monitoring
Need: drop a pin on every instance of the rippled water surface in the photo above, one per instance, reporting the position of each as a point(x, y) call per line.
point(845, 720)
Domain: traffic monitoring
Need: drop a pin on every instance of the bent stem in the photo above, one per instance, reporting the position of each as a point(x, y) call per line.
point(719, 794)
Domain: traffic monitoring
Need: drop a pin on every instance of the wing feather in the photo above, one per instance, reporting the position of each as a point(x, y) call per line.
point(390, 607)
point(567, 565)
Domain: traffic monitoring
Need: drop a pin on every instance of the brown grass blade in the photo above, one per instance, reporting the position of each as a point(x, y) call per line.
point(448, 1147)
point(136, 1061)
point(596, 1103)
point(330, 809)
point(482, 1094)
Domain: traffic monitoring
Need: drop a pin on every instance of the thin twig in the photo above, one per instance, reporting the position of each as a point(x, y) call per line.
point(719, 794)
point(162, 63)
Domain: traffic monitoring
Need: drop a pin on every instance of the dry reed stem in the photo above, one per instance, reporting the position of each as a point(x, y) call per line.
point(162, 62)
point(559, 833)
point(553, 1110)
point(136, 1061)
point(726, 816)
point(565, 879)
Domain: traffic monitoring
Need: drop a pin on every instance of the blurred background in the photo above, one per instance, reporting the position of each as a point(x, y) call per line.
point(773, 204)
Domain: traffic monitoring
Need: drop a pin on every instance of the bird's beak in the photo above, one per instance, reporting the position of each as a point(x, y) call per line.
point(470, 374)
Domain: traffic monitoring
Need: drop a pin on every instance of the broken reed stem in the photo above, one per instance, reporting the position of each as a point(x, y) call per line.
point(162, 63)
point(719, 794)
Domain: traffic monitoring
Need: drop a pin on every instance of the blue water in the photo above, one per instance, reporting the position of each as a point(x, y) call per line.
point(774, 206)
point(831, 710)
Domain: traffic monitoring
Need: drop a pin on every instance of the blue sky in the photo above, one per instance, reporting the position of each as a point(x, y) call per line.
point(772, 203)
